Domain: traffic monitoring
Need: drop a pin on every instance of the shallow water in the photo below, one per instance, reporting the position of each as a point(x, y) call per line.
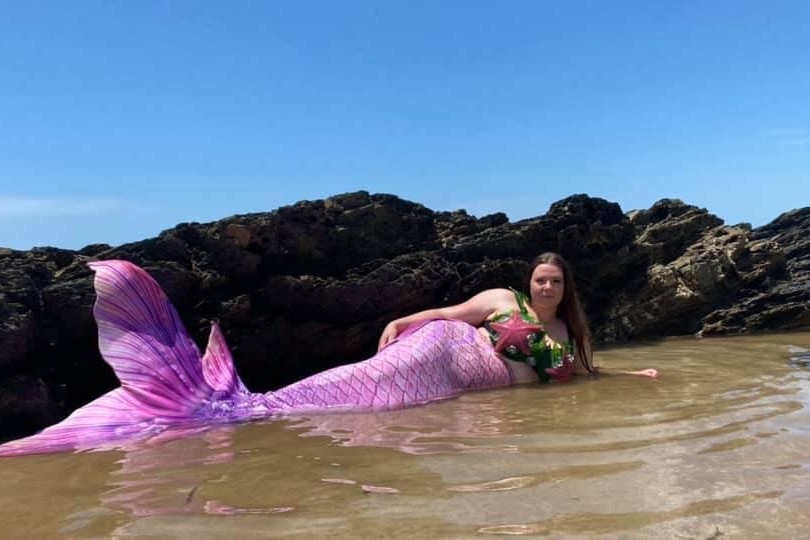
point(719, 446)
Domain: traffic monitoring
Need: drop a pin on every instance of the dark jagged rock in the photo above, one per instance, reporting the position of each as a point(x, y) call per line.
point(669, 227)
point(775, 295)
point(25, 402)
point(311, 285)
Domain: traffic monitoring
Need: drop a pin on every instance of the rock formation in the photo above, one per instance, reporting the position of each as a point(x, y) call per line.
point(309, 286)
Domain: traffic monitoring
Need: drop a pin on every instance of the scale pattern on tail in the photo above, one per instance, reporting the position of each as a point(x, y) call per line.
point(438, 360)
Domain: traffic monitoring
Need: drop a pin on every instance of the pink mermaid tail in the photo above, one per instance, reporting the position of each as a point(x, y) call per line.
point(166, 383)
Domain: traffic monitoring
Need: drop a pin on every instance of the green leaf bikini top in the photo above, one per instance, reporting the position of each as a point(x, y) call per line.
point(547, 359)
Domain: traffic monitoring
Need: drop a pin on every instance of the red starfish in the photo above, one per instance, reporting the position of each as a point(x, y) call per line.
point(514, 331)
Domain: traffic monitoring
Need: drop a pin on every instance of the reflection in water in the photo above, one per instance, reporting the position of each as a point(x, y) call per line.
point(152, 479)
point(475, 424)
point(719, 445)
point(799, 356)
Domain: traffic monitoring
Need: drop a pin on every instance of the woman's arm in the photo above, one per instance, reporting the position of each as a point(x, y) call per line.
point(650, 373)
point(473, 311)
point(581, 370)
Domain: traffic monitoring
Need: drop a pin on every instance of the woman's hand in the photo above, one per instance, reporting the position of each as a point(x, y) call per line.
point(389, 334)
point(651, 373)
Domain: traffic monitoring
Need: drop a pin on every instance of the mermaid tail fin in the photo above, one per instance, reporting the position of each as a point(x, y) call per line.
point(141, 336)
point(217, 365)
point(162, 378)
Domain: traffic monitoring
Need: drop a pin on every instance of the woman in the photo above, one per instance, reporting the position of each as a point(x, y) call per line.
point(166, 384)
point(557, 349)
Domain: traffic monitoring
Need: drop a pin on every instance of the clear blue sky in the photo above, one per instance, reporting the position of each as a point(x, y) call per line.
point(119, 119)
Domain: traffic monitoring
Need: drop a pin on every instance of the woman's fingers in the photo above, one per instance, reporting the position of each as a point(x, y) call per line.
point(387, 337)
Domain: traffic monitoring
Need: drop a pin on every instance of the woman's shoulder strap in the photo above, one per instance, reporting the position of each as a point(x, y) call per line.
point(522, 301)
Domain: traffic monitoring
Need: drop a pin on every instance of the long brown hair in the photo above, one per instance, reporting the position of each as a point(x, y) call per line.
point(570, 309)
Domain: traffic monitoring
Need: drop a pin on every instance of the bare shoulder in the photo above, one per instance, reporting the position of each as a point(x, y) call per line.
point(497, 296)
point(498, 300)
point(498, 293)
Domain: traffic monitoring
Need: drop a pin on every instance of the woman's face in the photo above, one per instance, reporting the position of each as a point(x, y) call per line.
point(547, 285)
